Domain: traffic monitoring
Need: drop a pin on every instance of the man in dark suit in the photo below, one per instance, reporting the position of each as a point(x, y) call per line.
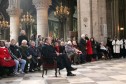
point(49, 51)
point(82, 44)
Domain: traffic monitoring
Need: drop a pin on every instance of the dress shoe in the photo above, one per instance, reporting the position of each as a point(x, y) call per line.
point(4, 76)
point(31, 70)
point(73, 69)
point(70, 74)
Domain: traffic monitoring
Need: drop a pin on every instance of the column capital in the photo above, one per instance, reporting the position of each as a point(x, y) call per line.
point(42, 4)
point(14, 11)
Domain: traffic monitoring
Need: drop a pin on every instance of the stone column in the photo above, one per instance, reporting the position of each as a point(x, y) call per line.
point(102, 20)
point(14, 11)
point(95, 15)
point(116, 17)
point(84, 17)
point(78, 21)
point(42, 16)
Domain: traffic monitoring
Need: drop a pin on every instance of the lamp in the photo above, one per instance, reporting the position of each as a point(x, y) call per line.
point(121, 28)
point(27, 19)
point(61, 13)
point(3, 23)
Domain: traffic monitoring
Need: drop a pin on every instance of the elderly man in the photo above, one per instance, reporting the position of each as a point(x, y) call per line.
point(25, 54)
point(82, 44)
point(34, 52)
point(49, 51)
point(14, 50)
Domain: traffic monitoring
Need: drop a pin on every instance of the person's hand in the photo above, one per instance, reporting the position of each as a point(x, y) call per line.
point(29, 57)
point(7, 59)
point(57, 53)
point(38, 57)
point(19, 59)
point(80, 52)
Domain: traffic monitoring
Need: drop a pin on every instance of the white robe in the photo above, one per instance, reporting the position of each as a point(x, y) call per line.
point(116, 46)
point(121, 42)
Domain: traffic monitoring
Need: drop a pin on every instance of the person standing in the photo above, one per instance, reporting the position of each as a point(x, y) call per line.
point(89, 50)
point(116, 47)
point(110, 47)
point(82, 44)
point(22, 37)
point(94, 48)
point(123, 48)
point(38, 40)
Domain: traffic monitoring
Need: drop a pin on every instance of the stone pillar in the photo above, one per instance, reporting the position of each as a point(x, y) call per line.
point(84, 17)
point(14, 11)
point(102, 20)
point(95, 16)
point(78, 21)
point(42, 16)
point(116, 17)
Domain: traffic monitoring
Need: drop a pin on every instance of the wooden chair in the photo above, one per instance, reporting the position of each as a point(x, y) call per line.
point(49, 64)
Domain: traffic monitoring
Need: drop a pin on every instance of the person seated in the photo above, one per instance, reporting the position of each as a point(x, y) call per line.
point(73, 53)
point(104, 51)
point(62, 47)
point(34, 52)
point(81, 55)
point(48, 51)
point(57, 47)
point(14, 49)
point(6, 60)
point(25, 54)
point(1, 72)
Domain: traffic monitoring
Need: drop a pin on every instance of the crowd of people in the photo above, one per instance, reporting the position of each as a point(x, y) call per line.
point(26, 55)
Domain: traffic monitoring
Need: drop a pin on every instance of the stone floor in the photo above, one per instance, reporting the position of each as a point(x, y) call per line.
point(100, 72)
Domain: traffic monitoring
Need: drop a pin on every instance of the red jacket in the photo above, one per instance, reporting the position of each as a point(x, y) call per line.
point(89, 48)
point(4, 53)
point(57, 48)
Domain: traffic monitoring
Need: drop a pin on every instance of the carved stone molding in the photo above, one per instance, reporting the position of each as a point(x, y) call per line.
point(14, 11)
point(40, 4)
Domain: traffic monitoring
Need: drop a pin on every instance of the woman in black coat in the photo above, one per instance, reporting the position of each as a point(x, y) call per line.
point(22, 37)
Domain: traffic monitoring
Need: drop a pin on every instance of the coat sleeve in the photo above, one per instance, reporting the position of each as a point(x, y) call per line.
point(113, 42)
point(45, 52)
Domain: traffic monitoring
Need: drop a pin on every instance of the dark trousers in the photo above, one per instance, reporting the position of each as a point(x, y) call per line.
point(39, 63)
point(82, 58)
point(63, 62)
point(123, 53)
point(94, 56)
point(106, 54)
point(1, 70)
point(88, 58)
point(116, 55)
point(6, 70)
